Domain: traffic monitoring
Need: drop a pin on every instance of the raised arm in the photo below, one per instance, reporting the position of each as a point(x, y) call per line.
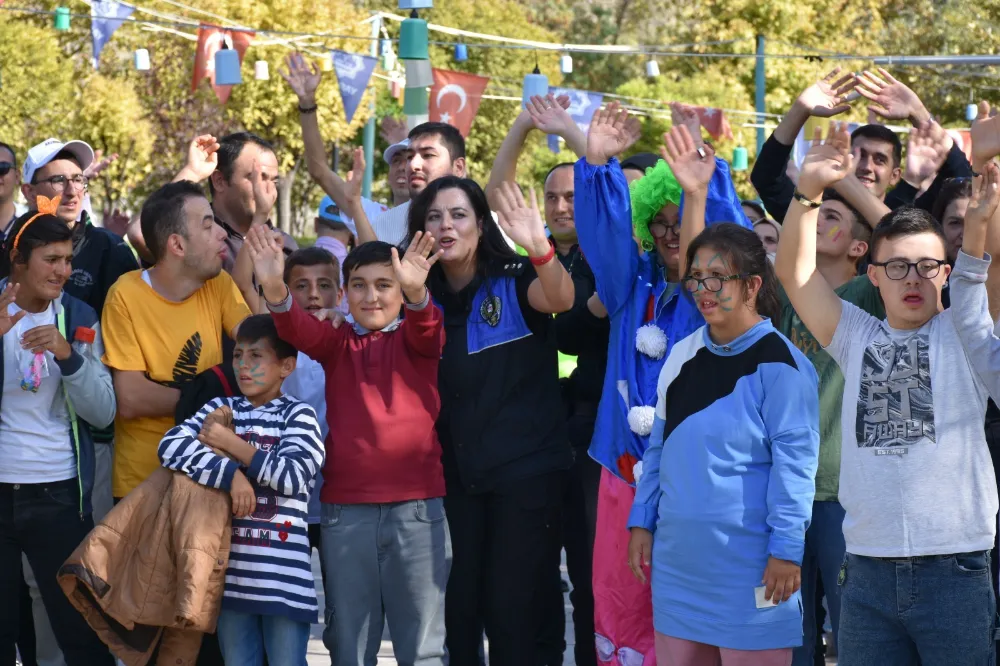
point(693, 167)
point(890, 99)
point(603, 209)
point(815, 302)
point(202, 159)
point(823, 99)
point(552, 291)
point(928, 149)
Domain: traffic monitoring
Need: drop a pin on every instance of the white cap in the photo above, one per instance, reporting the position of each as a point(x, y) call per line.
point(391, 151)
point(43, 153)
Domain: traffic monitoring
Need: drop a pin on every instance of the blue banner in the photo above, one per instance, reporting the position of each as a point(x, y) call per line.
point(106, 16)
point(353, 72)
point(582, 107)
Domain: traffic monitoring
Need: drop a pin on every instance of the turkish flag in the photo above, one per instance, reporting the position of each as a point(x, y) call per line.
point(715, 123)
point(210, 39)
point(455, 98)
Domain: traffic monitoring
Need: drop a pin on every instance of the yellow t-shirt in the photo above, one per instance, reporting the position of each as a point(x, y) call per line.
point(170, 342)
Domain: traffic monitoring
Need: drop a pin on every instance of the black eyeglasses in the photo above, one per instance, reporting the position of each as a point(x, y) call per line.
point(712, 284)
point(5, 168)
point(59, 183)
point(897, 269)
point(659, 229)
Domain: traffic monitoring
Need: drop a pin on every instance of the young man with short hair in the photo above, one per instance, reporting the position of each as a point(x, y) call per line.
point(878, 152)
point(916, 480)
point(164, 325)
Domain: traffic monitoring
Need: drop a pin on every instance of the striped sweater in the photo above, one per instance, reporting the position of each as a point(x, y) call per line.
point(270, 570)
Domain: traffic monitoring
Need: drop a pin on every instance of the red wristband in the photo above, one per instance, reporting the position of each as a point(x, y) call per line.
point(546, 258)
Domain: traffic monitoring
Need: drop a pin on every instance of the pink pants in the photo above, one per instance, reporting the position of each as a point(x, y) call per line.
point(623, 607)
point(679, 652)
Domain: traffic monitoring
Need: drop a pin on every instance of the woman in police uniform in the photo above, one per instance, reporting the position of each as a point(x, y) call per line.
point(502, 427)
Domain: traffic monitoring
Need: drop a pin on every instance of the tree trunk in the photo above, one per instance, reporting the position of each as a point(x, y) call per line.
point(285, 184)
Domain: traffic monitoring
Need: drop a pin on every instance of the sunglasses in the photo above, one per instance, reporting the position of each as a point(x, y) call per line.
point(5, 168)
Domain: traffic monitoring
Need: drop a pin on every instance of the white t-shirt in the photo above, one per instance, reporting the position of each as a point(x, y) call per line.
point(392, 225)
point(915, 475)
point(35, 444)
point(373, 209)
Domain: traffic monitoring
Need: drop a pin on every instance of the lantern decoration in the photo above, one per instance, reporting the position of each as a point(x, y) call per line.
point(652, 69)
point(413, 40)
point(971, 112)
point(419, 74)
point(227, 66)
point(535, 84)
point(385, 46)
point(740, 159)
point(415, 101)
point(461, 52)
point(260, 71)
point(61, 18)
point(566, 64)
point(142, 60)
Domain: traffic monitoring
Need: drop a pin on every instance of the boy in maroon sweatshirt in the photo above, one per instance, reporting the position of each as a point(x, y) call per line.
point(385, 543)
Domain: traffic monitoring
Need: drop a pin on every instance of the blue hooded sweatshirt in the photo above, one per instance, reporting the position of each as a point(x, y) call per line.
point(626, 278)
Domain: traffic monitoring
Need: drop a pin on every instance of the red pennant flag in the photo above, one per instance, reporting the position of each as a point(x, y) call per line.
point(210, 39)
point(455, 98)
point(715, 123)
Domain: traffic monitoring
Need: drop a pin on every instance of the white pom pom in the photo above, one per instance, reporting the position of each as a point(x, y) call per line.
point(651, 341)
point(637, 472)
point(640, 420)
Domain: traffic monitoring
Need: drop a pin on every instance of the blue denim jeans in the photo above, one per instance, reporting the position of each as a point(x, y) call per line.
point(935, 611)
point(822, 561)
point(385, 563)
point(245, 639)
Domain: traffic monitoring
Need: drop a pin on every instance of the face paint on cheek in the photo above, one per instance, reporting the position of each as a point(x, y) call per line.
point(257, 374)
point(833, 233)
point(726, 308)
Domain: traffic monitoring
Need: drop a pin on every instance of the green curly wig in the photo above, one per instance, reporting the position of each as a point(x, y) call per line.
point(649, 195)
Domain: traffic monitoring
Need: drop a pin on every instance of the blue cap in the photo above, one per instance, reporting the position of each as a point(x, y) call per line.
point(329, 211)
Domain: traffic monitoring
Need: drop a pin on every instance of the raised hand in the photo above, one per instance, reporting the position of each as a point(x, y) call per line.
point(356, 176)
point(202, 158)
point(99, 164)
point(520, 220)
point(412, 270)
point(7, 321)
point(985, 135)
point(926, 151)
point(687, 115)
point(889, 98)
point(268, 258)
point(265, 194)
point(985, 196)
point(302, 76)
point(692, 165)
point(828, 96)
point(612, 132)
point(549, 114)
point(827, 162)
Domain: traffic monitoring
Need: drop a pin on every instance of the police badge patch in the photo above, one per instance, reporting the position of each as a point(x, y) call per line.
point(490, 310)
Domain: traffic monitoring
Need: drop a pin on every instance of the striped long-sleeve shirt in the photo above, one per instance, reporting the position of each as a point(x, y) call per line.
point(270, 571)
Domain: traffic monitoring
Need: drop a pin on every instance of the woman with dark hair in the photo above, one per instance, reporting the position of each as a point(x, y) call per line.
point(949, 209)
point(726, 486)
point(52, 395)
point(501, 426)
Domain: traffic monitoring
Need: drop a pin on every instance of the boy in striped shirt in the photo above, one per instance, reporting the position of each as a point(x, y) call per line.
point(265, 449)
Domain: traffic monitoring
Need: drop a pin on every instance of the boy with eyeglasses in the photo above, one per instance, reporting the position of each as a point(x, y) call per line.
point(916, 480)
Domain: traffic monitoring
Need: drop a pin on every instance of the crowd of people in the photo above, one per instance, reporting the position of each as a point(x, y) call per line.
point(779, 417)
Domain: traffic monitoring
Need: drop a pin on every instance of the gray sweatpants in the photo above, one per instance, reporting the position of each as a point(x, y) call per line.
point(385, 563)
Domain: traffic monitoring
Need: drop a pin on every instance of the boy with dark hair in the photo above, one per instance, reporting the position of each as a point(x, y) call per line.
point(264, 448)
point(916, 479)
point(386, 546)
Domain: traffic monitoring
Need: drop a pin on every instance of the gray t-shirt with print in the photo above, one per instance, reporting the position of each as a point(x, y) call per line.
point(915, 476)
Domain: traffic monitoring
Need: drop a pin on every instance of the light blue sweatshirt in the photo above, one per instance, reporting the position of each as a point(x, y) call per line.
point(727, 481)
